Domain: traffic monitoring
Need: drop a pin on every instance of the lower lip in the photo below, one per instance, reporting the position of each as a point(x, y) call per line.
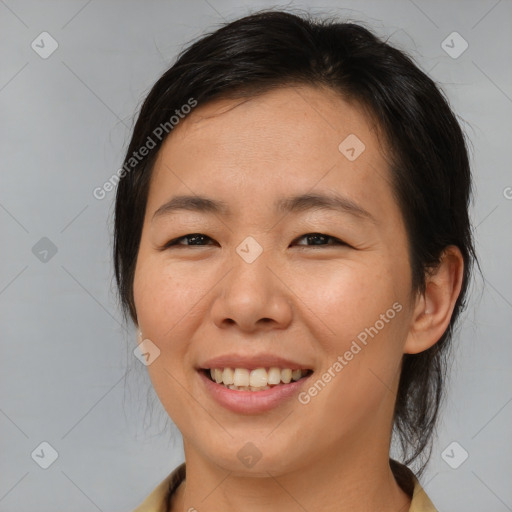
point(252, 402)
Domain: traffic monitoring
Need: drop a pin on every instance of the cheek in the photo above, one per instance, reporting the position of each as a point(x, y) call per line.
point(166, 304)
point(166, 297)
point(365, 312)
point(361, 354)
point(351, 297)
point(171, 304)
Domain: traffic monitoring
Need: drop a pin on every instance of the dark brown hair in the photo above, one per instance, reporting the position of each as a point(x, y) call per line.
point(429, 161)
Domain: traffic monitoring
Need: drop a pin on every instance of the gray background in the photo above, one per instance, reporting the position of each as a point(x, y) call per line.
point(68, 375)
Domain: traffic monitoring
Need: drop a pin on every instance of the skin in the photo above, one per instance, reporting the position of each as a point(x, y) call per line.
point(298, 300)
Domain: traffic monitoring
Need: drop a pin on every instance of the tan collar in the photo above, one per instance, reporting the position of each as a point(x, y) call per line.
point(158, 499)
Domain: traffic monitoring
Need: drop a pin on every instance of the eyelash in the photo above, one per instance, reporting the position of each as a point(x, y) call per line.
point(174, 242)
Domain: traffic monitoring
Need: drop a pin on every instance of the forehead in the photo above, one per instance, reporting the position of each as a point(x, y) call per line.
point(293, 139)
point(294, 119)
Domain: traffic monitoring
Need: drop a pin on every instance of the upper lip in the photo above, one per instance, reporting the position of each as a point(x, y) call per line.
point(252, 362)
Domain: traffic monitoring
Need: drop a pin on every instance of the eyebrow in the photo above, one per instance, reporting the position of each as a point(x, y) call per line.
point(292, 204)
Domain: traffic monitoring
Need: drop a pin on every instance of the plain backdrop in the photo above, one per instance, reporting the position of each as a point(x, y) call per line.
point(68, 376)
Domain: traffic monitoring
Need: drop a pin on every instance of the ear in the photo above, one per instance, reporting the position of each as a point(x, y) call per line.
point(433, 309)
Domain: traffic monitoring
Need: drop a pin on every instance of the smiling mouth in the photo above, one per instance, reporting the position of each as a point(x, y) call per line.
point(259, 379)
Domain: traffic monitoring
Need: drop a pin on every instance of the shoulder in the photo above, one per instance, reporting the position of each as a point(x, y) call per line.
point(158, 499)
point(420, 501)
point(407, 480)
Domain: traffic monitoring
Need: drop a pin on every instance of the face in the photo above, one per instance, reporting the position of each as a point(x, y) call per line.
point(238, 282)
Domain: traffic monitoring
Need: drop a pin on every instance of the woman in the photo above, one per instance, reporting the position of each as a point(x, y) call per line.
point(292, 241)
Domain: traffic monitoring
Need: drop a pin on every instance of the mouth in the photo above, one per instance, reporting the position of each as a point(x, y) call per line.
point(258, 379)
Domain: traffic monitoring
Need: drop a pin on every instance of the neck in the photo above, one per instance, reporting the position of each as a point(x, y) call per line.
point(357, 481)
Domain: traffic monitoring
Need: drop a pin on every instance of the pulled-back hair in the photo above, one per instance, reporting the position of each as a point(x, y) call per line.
point(427, 152)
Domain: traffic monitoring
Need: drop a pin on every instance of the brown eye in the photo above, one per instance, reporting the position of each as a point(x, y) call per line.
point(319, 239)
point(199, 239)
point(195, 239)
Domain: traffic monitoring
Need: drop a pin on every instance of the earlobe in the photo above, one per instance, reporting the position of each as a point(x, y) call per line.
point(434, 307)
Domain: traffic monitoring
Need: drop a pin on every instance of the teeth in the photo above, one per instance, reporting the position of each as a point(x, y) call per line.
point(274, 376)
point(241, 377)
point(227, 376)
point(258, 379)
point(286, 375)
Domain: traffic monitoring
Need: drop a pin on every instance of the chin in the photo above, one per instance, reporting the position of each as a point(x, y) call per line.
point(259, 459)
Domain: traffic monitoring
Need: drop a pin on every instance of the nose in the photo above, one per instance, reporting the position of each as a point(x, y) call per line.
point(252, 296)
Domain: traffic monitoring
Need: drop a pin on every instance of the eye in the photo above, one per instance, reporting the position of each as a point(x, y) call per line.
point(195, 239)
point(319, 237)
